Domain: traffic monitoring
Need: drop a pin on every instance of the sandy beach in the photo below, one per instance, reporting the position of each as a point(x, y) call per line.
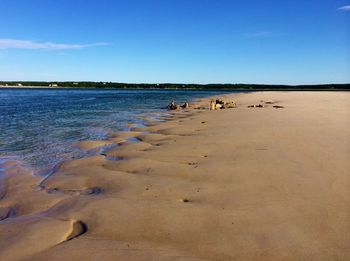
point(236, 184)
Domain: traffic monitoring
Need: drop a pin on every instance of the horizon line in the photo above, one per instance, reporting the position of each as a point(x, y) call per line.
point(170, 83)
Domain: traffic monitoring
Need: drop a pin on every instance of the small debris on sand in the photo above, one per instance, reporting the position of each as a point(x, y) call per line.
point(172, 106)
point(256, 106)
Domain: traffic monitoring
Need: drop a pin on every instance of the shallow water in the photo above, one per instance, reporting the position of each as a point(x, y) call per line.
point(38, 127)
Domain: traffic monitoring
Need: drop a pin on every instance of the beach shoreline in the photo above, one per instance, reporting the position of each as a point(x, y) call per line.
point(265, 183)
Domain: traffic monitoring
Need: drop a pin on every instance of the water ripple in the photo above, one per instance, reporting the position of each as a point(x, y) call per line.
point(40, 126)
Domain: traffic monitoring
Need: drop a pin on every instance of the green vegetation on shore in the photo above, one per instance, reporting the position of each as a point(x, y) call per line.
point(173, 86)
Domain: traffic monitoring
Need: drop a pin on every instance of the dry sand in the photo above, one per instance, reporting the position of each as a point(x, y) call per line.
point(235, 184)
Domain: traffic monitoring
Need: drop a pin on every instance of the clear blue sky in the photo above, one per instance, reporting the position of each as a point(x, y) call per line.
point(183, 41)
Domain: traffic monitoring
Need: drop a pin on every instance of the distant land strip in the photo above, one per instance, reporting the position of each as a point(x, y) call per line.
point(116, 85)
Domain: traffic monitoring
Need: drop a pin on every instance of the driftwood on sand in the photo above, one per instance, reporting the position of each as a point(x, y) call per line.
point(174, 107)
point(220, 104)
point(214, 105)
point(185, 105)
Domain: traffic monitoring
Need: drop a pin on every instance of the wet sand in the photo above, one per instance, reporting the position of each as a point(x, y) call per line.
point(267, 183)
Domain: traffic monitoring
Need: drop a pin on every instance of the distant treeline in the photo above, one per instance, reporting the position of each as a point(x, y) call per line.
point(177, 86)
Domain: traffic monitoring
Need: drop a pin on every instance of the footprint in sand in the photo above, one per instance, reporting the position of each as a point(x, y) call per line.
point(273, 102)
point(2, 193)
point(6, 212)
point(78, 228)
point(194, 164)
point(93, 191)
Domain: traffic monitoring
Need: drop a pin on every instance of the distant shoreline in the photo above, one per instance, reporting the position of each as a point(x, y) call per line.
point(170, 86)
point(197, 88)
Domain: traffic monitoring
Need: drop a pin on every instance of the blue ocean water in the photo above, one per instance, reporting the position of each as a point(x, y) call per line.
point(39, 127)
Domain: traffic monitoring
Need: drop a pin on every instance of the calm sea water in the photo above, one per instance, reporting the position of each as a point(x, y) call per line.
point(39, 127)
